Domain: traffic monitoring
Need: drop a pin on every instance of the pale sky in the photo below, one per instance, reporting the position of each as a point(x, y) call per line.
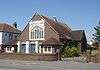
point(77, 14)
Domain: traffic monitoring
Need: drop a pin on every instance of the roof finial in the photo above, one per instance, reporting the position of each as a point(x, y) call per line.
point(55, 19)
point(15, 25)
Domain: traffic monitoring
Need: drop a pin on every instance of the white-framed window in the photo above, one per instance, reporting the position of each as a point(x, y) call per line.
point(37, 33)
point(8, 48)
point(47, 49)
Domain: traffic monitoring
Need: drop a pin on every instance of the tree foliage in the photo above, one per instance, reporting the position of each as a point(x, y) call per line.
point(70, 49)
point(97, 33)
point(70, 52)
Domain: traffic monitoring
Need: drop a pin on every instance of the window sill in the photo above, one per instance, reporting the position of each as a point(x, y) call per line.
point(38, 39)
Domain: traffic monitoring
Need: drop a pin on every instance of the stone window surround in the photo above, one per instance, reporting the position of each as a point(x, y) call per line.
point(37, 33)
point(32, 24)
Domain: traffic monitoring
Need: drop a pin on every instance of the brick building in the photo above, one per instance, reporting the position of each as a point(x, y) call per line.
point(45, 35)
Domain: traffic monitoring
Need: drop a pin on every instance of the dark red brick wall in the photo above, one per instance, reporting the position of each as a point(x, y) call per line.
point(29, 57)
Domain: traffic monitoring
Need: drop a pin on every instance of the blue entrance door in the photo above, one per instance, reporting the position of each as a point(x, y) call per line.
point(32, 48)
point(23, 48)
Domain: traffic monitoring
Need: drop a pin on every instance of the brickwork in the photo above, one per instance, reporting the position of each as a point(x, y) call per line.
point(94, 58)
point(29, 57)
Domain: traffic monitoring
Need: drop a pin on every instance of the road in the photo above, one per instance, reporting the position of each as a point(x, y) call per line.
point(46, 65)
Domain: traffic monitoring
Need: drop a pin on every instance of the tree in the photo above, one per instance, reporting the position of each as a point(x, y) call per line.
point(97, 37)
point(70, 49)
point(97, 33)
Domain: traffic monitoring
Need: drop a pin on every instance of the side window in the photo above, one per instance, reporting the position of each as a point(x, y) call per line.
point(47, 48)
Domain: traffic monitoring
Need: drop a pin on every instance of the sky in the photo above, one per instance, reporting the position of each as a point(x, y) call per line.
point(77, 14)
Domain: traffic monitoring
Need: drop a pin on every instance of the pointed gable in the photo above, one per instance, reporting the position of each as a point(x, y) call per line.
point(61, 29)
point(24, 36)
point(36, 17)
point(77, 35)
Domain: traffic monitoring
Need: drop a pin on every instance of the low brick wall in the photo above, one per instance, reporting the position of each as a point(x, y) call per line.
point(29, 57)
point(95, 58)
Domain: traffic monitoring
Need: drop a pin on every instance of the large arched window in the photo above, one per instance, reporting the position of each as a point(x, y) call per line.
point(37, 33)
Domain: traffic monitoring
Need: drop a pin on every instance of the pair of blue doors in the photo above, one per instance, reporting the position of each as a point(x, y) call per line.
point(31, 48)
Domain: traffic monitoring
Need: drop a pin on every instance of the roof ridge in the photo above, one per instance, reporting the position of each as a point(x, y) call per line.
point(64, 24)
point(78, 30)
point(58, 22)
point(48, 23)
point(12, 26)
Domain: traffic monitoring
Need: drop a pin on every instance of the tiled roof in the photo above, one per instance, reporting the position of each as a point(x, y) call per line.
point(60, 28)
point(77, 35)
point(7, 28)
point(51, 41)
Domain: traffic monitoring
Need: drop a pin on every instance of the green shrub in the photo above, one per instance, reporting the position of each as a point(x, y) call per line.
point(70, 52)
point(70, 49)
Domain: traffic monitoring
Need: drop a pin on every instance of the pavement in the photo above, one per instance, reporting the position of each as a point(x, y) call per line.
point(46, 65)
